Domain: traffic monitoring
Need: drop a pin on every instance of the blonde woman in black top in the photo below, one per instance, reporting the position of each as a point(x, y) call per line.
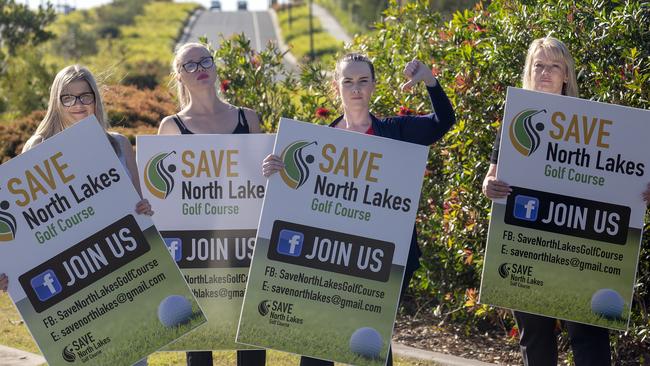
point(203, 112)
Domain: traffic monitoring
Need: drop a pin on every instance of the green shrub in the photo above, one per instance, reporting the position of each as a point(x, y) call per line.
point(296, 35)
point(25, 86)
point(127, 42)
point(21, 66)
point(131, 111)
point(131, 108)
point(247, 78)
point(476, 55)
point(342, 11)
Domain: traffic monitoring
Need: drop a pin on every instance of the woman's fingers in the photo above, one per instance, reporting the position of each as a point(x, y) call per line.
point(271, 168)
point(407, 86)
point(271, 165)
point(411, 68)
point(496, 189)
point(415, 71)
point(143, 208)
point(646, 194)
point(4, 282)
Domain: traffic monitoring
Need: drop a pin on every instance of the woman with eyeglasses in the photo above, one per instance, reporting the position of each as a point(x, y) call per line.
point(550, 68)
point(74, 95)
point(203, 112)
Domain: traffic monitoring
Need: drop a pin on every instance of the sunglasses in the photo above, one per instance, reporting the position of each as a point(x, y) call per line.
point(68, 100)
point(205, 63)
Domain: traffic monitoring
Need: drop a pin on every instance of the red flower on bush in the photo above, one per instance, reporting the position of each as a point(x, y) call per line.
point(471, 296)
point(405, 111)
point(461, 83)
point(225, 85)
point(322, 112)
point(514, 332)
point(443, 35)
point(435, 70)
point(255, 61)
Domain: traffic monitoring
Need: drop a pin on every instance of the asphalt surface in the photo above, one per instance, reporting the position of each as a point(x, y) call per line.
point(256, 25)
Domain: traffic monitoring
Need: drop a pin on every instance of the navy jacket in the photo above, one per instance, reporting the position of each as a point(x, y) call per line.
point(422, 130)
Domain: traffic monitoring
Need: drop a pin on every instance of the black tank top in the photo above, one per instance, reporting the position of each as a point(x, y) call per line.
point(242, 124)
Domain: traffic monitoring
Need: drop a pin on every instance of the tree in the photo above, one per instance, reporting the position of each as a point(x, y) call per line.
point(21, 26)
point(20, 30)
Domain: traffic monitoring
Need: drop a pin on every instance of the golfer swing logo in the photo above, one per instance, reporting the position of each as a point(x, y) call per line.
point(504, 270)
point(68, 355)
point(524, 136)
point(296, 166)
point(158, 178)
point(7, 223)
point(263, 308)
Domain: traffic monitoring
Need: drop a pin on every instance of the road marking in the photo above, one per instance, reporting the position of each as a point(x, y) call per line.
point(256, 31)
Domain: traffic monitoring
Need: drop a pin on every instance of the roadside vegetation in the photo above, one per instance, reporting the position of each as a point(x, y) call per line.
point(476, 54)
point(122, 43)
point(295, 32)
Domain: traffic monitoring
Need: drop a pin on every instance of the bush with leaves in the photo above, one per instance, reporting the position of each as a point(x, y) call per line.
point(260, 80)
point(130, 107)
point(476, 55)
point(130, 111)
point(21, 68)
point(123, 40)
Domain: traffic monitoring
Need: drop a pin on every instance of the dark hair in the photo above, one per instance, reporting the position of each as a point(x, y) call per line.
point(354, 56)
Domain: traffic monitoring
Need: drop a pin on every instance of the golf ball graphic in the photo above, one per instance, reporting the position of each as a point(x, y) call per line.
point(607, 303)
point(174, 310)
point(366, 342)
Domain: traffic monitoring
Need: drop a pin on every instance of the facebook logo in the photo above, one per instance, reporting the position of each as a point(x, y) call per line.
point(290, 242)
point(46, 285)
point(526, 208)
point(175, 248)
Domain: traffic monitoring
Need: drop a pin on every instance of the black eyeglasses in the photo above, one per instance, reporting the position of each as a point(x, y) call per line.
point(68, 100)
point(206, 63)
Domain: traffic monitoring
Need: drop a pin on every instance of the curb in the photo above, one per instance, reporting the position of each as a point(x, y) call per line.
point(288, 56)
point(13, 357)
point(331, 24)
point(189, 24)
point(437, 357)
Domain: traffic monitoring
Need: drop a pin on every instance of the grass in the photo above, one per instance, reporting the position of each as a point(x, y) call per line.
point(145, 333)
point(297, 36)
point(13, 333)
point(325, 329)
point(567, 291)
point(222, 313)
point(145, 47)
point(343, 17)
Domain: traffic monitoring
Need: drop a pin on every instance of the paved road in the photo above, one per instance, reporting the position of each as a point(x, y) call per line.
point(256, 25)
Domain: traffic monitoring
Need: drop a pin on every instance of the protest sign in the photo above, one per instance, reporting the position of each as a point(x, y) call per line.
point(332, 244)
point(208, 192)
point(565, 243)
point(91, 278)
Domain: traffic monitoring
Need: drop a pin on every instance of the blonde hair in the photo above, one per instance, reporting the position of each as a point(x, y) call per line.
point(353, 57)
point(181, 91)
point(556, 50)
point(53, 121)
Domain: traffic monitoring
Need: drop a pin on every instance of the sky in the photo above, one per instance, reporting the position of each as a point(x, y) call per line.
point(226, 5)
